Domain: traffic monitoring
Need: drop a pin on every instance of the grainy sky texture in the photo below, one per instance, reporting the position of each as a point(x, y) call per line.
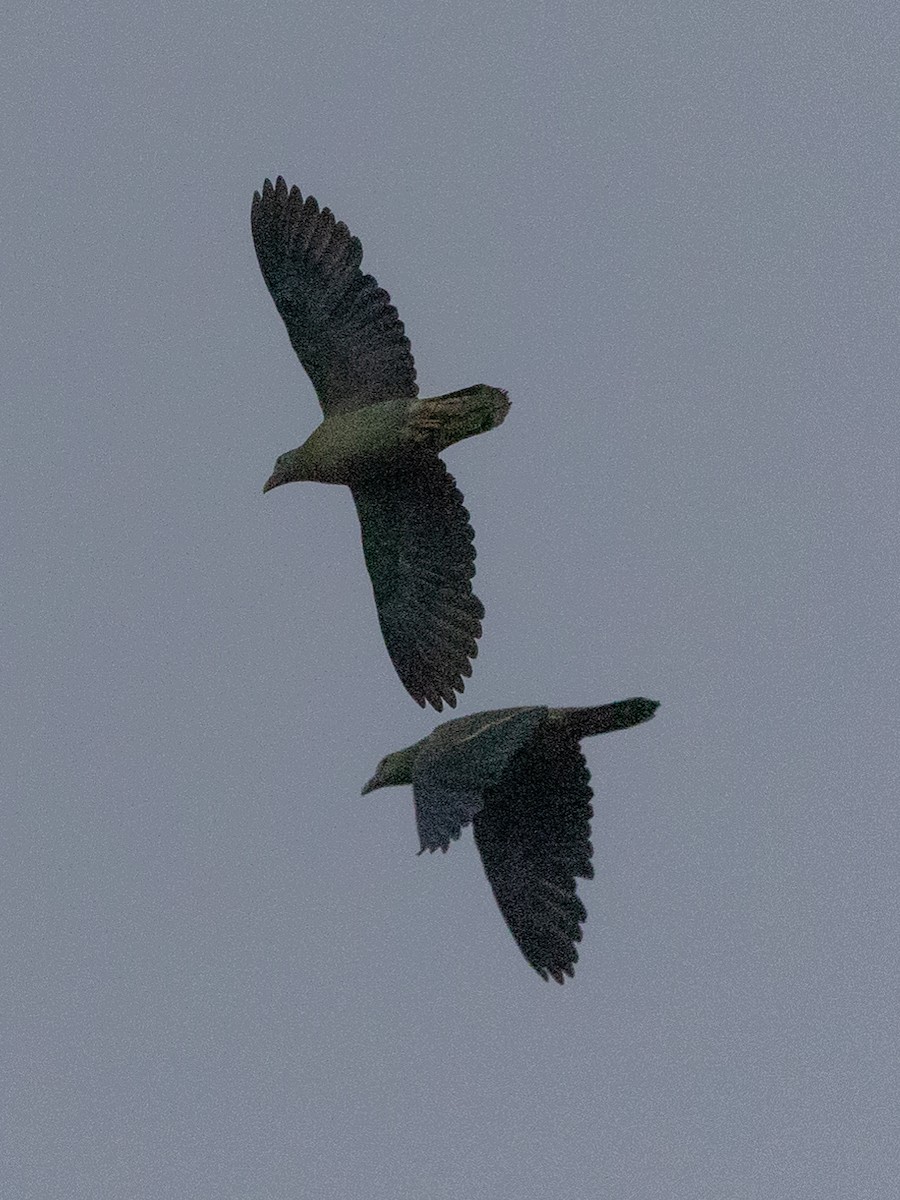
point(670, 230)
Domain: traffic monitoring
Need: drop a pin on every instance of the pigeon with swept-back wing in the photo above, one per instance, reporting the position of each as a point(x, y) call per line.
point(518, 775)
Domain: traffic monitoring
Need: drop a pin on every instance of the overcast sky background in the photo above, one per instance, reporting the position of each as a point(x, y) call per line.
point(670, 231)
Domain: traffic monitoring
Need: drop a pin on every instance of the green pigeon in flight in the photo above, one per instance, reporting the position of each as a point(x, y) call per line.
point(519, 776)
point(379, 438)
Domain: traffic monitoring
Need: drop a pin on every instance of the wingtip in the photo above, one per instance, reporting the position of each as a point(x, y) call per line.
point(560, 973)
point(263, 194)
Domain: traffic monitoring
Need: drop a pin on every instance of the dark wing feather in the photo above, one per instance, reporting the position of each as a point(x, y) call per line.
point(459, 762)
point(420, 554)
point(341, 323)
point(534, 837)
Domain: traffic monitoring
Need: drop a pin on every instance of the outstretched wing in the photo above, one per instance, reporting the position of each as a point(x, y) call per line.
point(533, 834)
point(459, 763)
point(420, 554)
point(341, 323)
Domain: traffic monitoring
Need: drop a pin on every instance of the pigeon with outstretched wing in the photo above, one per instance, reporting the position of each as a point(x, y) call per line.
point(379, 438)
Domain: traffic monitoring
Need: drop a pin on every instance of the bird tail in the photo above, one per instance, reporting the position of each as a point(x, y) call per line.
point(585, 722)
point(439, 421)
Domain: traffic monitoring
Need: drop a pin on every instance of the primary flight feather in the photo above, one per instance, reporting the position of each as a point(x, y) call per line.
point(379, 438)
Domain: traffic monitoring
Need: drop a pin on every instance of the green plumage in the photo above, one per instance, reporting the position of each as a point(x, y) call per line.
point(379, 438)
point(518, 775)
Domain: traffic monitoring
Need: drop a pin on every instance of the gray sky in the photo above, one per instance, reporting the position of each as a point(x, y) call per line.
point(670, 231)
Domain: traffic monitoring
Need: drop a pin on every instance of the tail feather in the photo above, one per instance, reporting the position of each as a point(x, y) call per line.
point(439, 421)
point(586, 722)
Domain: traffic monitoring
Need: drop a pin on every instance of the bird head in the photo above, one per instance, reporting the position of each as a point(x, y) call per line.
point(281, 474)
point(393, 770)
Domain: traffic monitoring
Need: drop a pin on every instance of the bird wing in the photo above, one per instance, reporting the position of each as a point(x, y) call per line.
point(341, 323)
point(533, 834)
point(420, 553)
point(459, 762)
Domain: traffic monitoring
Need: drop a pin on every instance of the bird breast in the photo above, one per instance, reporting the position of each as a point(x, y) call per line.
point(348, 445)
